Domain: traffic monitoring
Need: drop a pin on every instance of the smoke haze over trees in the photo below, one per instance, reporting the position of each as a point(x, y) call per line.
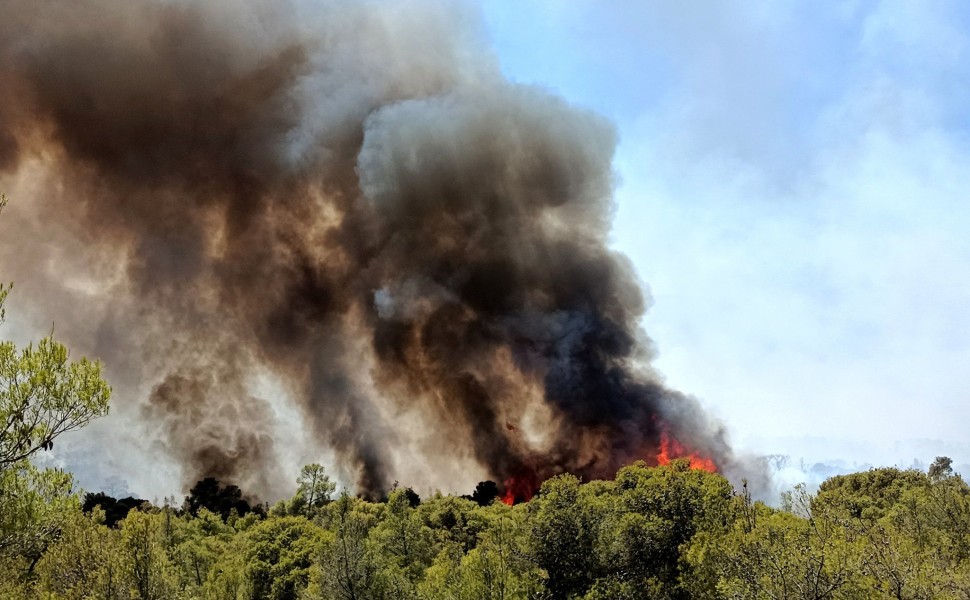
point(335, 225)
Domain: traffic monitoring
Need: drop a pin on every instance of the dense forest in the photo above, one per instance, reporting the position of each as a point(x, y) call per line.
point(653, 532)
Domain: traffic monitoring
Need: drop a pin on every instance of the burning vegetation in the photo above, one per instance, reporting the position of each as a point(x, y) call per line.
point(670, 449)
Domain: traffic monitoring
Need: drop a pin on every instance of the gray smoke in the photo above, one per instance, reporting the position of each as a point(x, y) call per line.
point(346, 199)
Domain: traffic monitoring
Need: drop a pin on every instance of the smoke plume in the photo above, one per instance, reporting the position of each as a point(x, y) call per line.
point(346, 199)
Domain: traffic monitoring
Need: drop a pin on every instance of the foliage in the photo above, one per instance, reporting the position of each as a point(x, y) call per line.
point(314, 490)
point(562, 537)
point(34, 505)
point(279, 554)
point(403, 539)
point(43, 395)
point(485, 493)
point(225, 500)
point(87, 561)
point(197, 545)
point(114, 509)
point(499, 567)
point(454, 522)
point(667, 532)
point(884, 533)
point(870, 494)
point(151, 570)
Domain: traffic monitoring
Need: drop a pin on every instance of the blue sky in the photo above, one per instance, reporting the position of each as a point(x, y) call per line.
point(794, 182)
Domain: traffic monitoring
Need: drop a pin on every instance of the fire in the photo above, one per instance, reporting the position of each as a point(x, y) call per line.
point(520, 487)
point(670, 449)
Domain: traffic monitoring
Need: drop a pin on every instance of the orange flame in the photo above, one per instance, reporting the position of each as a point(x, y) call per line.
point(670, 449)
point(523, 484)
point(520, 487)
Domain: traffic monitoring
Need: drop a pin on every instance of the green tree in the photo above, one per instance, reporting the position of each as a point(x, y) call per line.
point(87, 561)
point(227, 578)
point(43, 394)
point(499, 568)
point(348, 569)
point(442, 580)
point(153, 575)
point(200, 542)
point(913, 529)
point(870, 494)
point(563, 537)
point(34, 505)
point(278, 556)
point(402, 537)
point(453, 521)
point(314, 488)
point(657, 512)
point(941, 468)
point(803, 552)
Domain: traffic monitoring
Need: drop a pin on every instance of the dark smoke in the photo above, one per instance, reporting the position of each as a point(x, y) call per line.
point(347, 199)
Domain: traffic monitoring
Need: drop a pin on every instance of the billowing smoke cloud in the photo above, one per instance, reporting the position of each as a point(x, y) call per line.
point(345, 198)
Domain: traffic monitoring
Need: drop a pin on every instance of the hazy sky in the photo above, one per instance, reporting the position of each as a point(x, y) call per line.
point(794, 182)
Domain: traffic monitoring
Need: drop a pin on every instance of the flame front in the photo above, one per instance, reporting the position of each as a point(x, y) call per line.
point(670, 449)
point(520, 487)
point(523, 484)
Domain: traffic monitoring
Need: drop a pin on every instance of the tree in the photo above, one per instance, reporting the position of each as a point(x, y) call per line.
point(200, 542)
point(499, 567)
point(941, 468)
point(562, 537)
point(278, 556)
point(870, 494)
point(350, 567)
point(114, 510)
point(402, 537)
point(42, 395)
point(485, 493)
point(779, 555)
point(658, 512)
point(222, 500)
point(87, 561)
point(34, 504)
point(453, 520)
point(227, 577)
point(314, 487)
point(153, 575)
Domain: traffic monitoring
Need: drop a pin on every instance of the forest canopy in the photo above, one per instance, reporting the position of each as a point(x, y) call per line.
point(667, 532)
